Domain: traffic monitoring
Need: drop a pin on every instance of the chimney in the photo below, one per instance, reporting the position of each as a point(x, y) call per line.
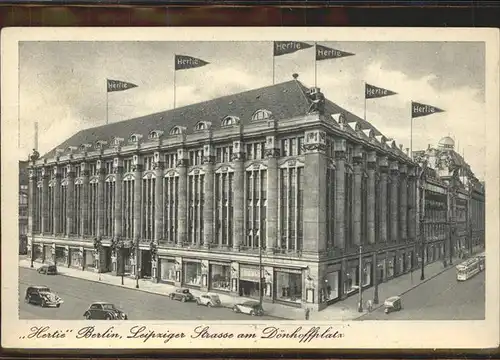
point(428, 146)
point(401, 147)
point(295, 76)
point(408, 151)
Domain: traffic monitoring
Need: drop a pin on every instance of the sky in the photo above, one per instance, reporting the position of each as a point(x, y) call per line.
point(63, 85)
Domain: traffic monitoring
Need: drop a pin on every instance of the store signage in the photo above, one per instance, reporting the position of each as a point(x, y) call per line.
point(249, 274)
point(291, 271)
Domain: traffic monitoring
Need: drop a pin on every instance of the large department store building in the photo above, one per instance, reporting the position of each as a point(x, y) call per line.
point(201, 196)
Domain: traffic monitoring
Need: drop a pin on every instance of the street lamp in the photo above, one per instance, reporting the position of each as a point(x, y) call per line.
point(422, 218)
point(262, 281)
point(360, 300)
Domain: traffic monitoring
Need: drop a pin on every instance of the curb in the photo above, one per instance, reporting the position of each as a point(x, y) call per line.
point(408, 290)
point(138, 289)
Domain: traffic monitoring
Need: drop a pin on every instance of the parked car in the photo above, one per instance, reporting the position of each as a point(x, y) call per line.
point(104, 311)
point(182, 295)
point(43, 296)
point(47, 269)
point(208, 300)
point(249, 307)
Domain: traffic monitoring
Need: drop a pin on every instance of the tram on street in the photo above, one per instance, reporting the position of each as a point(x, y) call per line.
point(470, 267)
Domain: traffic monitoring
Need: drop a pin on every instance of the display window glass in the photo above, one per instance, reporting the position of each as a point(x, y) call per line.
point(76, 258)
point(220, 277)
point(89, 258)
point(390, 267)
point(192, 273)
point(167, 270)
point(330, 289)
point(288, 287)
point(367, 274)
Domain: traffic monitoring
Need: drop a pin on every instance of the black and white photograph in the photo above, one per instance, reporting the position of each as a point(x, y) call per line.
point(176, 187)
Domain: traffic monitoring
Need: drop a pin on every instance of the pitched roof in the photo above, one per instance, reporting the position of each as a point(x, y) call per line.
point(285, 100)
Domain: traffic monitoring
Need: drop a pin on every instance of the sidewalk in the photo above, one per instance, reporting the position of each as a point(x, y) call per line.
point(342, 310)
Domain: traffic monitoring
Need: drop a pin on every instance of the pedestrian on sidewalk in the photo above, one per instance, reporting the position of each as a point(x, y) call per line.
point(307, 313)
point(369, 305)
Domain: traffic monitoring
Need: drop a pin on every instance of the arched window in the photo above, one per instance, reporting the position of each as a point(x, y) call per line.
point(230, 121)
point(155, 134)
point(175, 130)
point(261, 114)
point(202, 125)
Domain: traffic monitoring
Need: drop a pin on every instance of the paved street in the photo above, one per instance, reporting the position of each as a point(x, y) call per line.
point(441, 298)
point(78, 294)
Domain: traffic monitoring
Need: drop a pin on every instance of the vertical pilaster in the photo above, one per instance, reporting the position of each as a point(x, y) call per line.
point(158, 227)
point(239, 191)
point(371, 194)
point(118, 170)
point(314, 191)
point(358, 177)
point(45, 200)
point(394, 226)
point(182, 164)
point(412, 205)
point(208, 194)
point(272, 154)
point(100, 198)
point(56, 177)
point(384, 169)
point(403, 203)
point(85, 199)
point(70, 198)
point(340, 157)
point(137, 169)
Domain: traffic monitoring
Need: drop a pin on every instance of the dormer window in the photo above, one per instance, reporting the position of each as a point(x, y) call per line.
point(202, 125)
point(230, 121)
point(117, 141)
point(261, 114)
point(176, 130)
point(135, 138)
point(155, 134)
point(100, 144)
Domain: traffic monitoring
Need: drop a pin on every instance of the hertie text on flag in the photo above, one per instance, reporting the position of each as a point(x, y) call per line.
point(288, 46)
point(117, 85)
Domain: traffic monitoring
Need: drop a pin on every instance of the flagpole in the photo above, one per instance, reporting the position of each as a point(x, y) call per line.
point(107, 110)
point(411, 131)
point(174, 85)
point(364, 82)
point(315, 65)
point(273, 62)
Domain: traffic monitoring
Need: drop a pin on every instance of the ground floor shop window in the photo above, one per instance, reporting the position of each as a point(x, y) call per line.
point(367, 274)
point(220, 277)
point(400, 266)
point(390, 267)
point(167, 270)
point(288, 286)
point(380, 270)
point(409, 261)
point(249, 288)
point(330, 290)
point(47, 253)
point(89, 259)
point(75, 257)
point(249, 281)
point(37, 253)
point(192, 273)
point(60, 258)
point(351, 280)
point(430, 254)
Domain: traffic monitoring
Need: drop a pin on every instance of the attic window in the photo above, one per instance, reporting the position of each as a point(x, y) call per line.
point(201, 126)
point(134, 138)
point(175, 130)
point(261, 115)
point(155, 134)
point(230, 120)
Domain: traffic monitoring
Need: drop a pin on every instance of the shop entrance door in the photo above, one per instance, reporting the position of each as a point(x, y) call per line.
point(146, 264)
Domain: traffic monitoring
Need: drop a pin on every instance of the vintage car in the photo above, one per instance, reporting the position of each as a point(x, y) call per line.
point(43, 296)
point(182, 295)
point(249, 307)
point(104, 311)
point(47, 269)
point(393, 303)
point(210, 300)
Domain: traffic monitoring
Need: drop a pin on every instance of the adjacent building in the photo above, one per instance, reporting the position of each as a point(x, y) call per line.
point(276, 187)
point(23, 206)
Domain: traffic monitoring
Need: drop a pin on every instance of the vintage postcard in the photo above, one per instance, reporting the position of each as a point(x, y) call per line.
point(250, 188)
